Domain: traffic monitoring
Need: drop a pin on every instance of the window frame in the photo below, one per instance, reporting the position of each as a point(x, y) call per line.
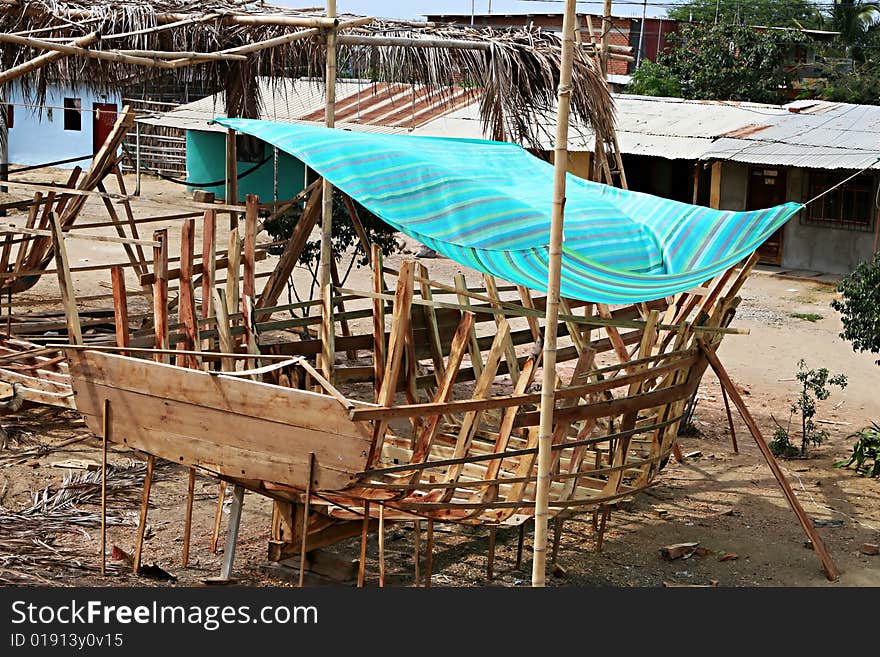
point(72, 109)
point(828, 211)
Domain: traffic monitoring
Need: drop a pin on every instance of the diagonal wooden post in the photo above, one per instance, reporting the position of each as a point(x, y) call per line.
point(828, 566)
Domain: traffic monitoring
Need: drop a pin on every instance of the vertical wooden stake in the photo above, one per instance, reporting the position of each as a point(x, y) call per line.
point(231, 194)
point(160, 291)
point(558, 522)
point(233, 269)
point(490, 557)
point(521, 538)
point(209, 265)
point(417, 550)
point(305, 524)
point(142, 524)
point(429, 554)
point(381, 545)
point(729, 420)
point(365, 530)
point(187, 300)
point(218, 515)
point(378, 320)
point(105, 430)
point(187, 527)
point(120, 306)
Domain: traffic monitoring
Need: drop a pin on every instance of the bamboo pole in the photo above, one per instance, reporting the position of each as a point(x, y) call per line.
point(545, 436)
point(67, 49)
point(324, 271)
point(45, 58)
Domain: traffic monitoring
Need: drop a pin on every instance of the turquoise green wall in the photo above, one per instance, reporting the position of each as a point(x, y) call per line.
point(206, 161)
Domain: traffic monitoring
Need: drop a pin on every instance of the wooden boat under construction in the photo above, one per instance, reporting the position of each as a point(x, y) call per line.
point(468, 454)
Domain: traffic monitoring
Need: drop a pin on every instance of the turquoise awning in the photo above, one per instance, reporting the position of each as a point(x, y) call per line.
point(487, 205)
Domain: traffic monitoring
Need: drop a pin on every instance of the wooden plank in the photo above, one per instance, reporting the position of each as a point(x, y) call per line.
point(400, 322)
point(290, 256)
point(187, 306)
point(233, 272)
point(160, 291)
point(65, 283)
point(509, 349)
point(425, 438)
point(224, 332)
point(120, 307)
point(474, 347)
point(209, 266)
point(430, 315)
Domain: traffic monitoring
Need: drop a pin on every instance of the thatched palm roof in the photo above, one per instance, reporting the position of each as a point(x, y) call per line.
point(518, 70)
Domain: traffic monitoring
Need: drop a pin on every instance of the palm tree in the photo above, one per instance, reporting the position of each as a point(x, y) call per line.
point(853, 19)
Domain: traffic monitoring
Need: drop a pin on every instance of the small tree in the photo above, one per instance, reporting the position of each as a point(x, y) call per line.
point(731, 62)
point(652, 79)
point(859, 306)
point(345, 237)
point(814, 386)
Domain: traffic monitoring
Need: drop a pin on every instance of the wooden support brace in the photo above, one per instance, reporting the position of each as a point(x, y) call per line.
point(828, 565)
point(142, 523)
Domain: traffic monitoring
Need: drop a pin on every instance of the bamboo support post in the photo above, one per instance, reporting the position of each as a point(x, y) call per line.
point(142, 522)
point(304, 539)
point(365, 530)
point(328, 349)
point(545, 436)
point(828, 565)
point(105, 438)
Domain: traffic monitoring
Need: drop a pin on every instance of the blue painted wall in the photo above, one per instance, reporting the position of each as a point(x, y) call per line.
point(38, 137)
point(206, 162)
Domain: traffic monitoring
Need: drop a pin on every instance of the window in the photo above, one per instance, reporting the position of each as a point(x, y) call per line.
point(73, 114)
point(10, 115)
point(850, 206)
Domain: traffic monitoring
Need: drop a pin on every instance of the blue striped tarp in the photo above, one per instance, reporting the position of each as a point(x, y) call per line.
point(487, 205)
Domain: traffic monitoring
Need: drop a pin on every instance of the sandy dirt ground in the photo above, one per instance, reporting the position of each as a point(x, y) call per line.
point(727, 502)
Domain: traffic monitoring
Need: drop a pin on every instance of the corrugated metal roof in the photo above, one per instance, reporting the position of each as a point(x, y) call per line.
point(360, 105)
point(806, 133)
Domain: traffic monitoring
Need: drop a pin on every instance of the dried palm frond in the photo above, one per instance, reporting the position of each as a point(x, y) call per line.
point(515, 72)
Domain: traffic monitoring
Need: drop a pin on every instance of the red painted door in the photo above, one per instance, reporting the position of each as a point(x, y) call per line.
point(103, 119)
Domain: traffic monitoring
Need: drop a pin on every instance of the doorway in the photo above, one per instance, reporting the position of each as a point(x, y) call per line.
point(767, 188)
point(103, 120)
